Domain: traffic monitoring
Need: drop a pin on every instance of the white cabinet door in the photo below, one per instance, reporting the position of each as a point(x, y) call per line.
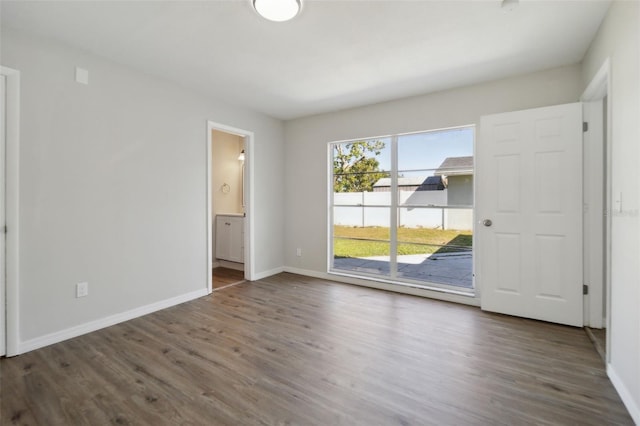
point(236, 239)
point(529, 186)
point(230, 238)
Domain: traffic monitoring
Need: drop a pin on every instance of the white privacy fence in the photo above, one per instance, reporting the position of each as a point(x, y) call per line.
point(355, 209)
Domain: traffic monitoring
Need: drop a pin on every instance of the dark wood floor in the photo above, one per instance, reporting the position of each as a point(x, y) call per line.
point(223, 277)
point(302, 351)
point(599, 338)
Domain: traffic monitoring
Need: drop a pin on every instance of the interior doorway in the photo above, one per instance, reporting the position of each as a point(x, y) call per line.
point(9, 223)
point(3, 126)
point(229, 200)
point(598, 207)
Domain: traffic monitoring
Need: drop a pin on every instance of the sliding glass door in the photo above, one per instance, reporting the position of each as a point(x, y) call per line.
point(360, 211)
point(401, 208)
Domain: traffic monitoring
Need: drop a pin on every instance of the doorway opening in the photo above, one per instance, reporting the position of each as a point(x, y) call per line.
point(9, 164)
point(229, 198)
point(3, 126)
point(598, 208)
point(401, 209)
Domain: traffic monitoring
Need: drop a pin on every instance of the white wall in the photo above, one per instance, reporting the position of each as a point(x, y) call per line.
point(307, 138)
point(112, 188)
point(617, 39)
point(226, 169)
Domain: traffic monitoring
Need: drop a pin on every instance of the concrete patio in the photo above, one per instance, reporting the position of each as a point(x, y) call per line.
point(454, 269)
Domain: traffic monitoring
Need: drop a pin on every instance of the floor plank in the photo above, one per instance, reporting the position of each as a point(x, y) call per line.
point(223, 277)
point(302, 351)
point(599, 338)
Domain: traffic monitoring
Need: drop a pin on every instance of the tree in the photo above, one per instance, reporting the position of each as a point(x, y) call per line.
point(355, 167)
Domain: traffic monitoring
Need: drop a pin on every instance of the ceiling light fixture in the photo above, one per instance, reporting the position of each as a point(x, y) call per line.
point(277, 10)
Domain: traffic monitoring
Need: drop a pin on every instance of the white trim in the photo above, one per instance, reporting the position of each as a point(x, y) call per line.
point(3, 253)
point(249, 223)
point(598, 88)
point(230, 265)
point(393, 210)
point(625, 394)
point(330, 201)
point(229, 285)
point(95, 325)
point(414, 291)
point(209, 201)
point(12, 197)
point(593, 214)
point(265, 274)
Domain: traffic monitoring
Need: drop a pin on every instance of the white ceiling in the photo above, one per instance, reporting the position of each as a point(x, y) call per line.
point(334, 55)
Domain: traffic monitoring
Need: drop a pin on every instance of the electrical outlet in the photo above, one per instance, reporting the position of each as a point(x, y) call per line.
point(298, 252)
point(82, 289)
point(82, 75)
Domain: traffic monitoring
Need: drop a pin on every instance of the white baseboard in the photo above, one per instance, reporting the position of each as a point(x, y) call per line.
point(625, 395)
point(81, 329)
point(231, 265)
point(432, 294)
point(265, 274)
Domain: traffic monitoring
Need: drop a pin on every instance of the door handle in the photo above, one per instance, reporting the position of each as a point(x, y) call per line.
point(487, 222)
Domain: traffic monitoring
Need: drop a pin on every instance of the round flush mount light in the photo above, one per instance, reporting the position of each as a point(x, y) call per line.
point(277, 10)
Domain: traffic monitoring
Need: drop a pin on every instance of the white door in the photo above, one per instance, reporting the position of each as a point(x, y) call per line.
point(3, 132)
point(529, 208)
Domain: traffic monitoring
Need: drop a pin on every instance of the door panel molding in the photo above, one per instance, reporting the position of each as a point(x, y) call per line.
point(529, 177)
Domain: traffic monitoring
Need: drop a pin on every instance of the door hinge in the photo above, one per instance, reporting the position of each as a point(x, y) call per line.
point(585, 126)
point(585, 289)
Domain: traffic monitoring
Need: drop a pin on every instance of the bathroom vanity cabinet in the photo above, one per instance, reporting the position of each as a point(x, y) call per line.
point(230, 237)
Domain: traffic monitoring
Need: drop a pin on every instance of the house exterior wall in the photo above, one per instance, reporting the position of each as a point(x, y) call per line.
point(460, 190)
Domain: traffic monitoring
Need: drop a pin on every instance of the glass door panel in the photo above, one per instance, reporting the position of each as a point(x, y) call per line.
point(435, 208)
point(362, 207)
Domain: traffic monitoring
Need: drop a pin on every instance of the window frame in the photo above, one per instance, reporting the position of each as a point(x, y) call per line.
point(393, 206)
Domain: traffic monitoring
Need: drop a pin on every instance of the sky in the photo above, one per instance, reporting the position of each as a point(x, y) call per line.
point(427, 150)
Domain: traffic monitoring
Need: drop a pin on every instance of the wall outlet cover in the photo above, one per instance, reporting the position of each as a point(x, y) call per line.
point(82, 289)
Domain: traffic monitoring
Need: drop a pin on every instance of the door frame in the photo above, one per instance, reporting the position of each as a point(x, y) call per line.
point(597, 90)
point(12, 164)
point(249, 264)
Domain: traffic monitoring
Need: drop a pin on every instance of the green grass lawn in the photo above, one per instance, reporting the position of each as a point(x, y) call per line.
point(352, 241)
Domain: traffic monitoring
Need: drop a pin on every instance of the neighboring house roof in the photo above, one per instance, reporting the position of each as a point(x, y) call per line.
point(455, 166)
point(420, 183)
